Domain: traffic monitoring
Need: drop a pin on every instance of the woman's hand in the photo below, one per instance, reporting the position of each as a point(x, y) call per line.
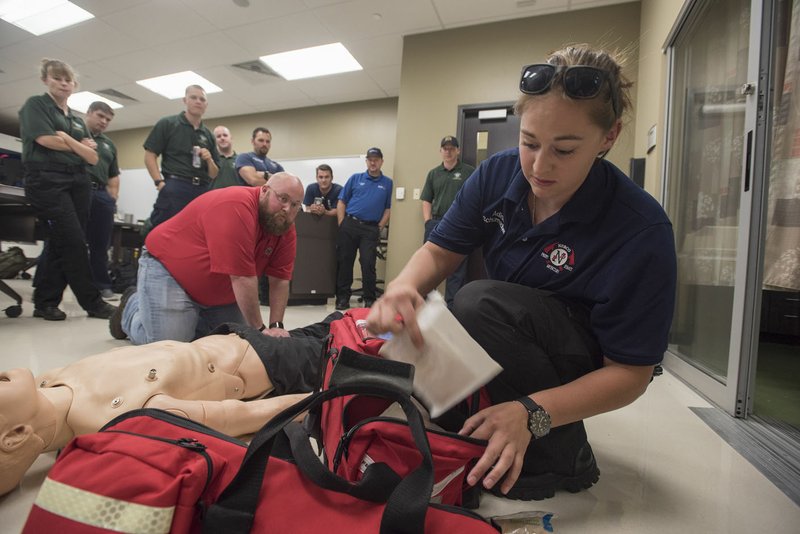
point(396, 311)
point(505, 427)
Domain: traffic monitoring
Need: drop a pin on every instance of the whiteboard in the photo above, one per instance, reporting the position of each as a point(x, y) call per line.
point(137, 193)
point(343, 167)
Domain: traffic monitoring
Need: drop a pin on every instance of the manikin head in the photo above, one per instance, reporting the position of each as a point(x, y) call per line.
point(21, 412)
point(279, 202)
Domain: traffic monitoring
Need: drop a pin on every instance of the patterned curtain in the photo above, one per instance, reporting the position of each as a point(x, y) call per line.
point(782, 254)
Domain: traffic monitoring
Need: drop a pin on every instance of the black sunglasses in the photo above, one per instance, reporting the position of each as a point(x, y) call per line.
point(579, 81)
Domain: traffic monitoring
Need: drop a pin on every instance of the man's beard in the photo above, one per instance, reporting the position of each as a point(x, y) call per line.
point(262, 152)
point(274, 223)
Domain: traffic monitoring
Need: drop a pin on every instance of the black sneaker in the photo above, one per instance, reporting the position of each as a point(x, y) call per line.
point(342, 305)
point(102, 311)
point(368, 303)
point(49, 313)
point(535, 487)
point(115, 322)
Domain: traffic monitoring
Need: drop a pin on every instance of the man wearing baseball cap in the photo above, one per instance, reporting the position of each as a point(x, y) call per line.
point(441, 186)
point(363, 211)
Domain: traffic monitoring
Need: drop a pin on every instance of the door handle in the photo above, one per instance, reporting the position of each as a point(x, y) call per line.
point(748, 161)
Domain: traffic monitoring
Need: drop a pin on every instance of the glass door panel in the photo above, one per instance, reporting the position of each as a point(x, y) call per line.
point(706, 148)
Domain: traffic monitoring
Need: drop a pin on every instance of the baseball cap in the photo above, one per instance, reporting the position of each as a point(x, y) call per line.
point(374, 151)
point(449, 140)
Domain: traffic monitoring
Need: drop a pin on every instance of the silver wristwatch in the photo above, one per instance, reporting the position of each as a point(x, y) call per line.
point(538, 418)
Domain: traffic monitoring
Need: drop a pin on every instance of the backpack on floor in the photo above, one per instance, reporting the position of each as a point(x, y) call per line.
point(12, 262)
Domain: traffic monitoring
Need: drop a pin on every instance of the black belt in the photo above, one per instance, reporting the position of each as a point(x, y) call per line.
point(362, 221)
point(68, 168)
point(98, 185)
point(194, 180)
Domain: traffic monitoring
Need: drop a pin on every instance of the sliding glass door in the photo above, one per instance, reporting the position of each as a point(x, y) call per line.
point(709, 194)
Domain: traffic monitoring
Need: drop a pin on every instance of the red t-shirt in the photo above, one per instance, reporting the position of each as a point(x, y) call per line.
point(218, 235)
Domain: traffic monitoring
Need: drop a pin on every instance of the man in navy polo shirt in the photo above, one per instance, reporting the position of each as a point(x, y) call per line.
point(255, 167)
point(363, 211)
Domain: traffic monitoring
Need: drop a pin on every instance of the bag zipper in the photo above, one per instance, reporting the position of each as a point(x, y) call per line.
point(344, 441)
point(168, 417)
point(187, 443)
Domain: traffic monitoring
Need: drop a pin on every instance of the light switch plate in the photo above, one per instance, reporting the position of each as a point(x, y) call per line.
point(400, 193)
point(416, 193)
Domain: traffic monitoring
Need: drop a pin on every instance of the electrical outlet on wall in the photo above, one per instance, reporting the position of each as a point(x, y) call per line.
point(416, 193)
point(400, 193)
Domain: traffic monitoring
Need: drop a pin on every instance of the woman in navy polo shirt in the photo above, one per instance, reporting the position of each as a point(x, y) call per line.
point(56, 148)
point(581, 265)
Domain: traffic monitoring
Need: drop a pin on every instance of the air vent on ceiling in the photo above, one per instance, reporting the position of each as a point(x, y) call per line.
point(113, 93)
point(256, 66)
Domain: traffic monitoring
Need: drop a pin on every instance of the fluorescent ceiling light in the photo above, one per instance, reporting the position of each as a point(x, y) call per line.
point(81, 101)
point(174, 85)
point(42, 16)
point(310, 62)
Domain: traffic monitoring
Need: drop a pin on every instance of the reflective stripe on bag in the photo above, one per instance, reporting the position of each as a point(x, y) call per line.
point(99, 511)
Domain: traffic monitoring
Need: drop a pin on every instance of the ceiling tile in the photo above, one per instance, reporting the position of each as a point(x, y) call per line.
point(387, 78)
point(370, 18)
point(456, 13)
point(286, 33)
point(94, 39)
point(226, 14)
point(10, 34)
point(159, 22)
point(377, 51)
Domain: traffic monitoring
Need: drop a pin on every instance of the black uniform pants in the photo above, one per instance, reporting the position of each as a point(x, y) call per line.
point(61, 201)
point(355, 237)
point(98, 235)
point(173, 197)
point(541, 341)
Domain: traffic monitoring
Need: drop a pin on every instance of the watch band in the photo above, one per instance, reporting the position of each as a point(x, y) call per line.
point(276, 324)
point(262, 327)
point(528, 403)
point(158, 182)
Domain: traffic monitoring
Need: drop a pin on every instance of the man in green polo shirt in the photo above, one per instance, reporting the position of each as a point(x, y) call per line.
point(105, 192)
point(441, 186)
point(227, 158)
point(189, 157)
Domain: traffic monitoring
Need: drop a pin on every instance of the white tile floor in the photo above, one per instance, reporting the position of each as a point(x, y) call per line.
point(662, 469)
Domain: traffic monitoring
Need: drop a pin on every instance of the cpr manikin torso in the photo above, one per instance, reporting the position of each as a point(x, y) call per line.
point(211, 368)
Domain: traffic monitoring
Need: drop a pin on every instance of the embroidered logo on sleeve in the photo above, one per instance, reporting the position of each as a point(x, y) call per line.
point(559, 257)
point(497, 218)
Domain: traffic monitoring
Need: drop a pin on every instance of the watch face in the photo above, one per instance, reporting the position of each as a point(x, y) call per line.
point(539, 423)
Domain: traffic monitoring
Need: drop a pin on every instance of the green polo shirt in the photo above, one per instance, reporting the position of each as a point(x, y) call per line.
point(227, 173)
point(442, 185)
point(41, 116)
point(172, 138)
point(106, 166)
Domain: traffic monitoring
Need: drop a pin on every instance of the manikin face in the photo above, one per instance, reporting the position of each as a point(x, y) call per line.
point(449, 155)
point(324, 179)
point(374, 164)
point(60, 86)
point(262, 143)
point(558, 143)
point(281, 200)
point(223, 137)
point(97, 121)
point(196, 101)
point(19, 399)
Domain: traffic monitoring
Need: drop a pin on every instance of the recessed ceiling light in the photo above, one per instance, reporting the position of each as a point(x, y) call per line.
point(314, 61)
point(174, 85)
point(81, 101)
point(42, 16)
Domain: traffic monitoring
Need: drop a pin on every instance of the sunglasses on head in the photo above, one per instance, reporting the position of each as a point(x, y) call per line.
point(579, 81)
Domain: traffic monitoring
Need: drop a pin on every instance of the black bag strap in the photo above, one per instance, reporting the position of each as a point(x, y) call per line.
point(405, 508)
point(376, 485)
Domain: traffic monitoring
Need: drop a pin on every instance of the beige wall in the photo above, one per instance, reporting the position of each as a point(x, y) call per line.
point(335, 130)
point(656, 21)
point(474, 65)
